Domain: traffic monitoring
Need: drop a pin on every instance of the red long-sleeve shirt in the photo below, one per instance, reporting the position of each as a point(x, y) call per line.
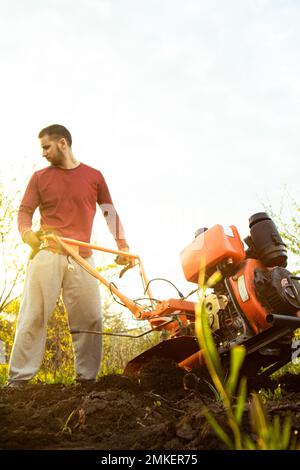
point(67, 202)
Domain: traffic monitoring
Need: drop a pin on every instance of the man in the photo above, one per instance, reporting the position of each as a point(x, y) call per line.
point(66, 193)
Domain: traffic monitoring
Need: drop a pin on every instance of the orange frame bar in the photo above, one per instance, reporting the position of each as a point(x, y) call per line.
point(65, 243)
point(70, 241)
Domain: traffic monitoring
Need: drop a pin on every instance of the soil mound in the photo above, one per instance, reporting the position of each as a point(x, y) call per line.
point(161, 409)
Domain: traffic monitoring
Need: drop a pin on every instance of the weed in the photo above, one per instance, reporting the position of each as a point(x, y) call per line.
point(66, 428)
point(267, 394)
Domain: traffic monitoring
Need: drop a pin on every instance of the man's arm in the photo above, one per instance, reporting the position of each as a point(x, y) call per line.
point(114, 224)
point(110, 214)
point(29, 203)
point(113, 220)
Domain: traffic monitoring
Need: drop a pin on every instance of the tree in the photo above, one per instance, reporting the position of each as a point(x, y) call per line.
point(12, 253)
point(12, 267)
point(289, 229)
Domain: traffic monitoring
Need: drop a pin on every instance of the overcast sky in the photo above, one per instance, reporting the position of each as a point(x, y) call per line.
point(190, 108)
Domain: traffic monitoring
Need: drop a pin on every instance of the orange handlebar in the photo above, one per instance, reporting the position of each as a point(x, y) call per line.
point(65, 243)
point(70, 241)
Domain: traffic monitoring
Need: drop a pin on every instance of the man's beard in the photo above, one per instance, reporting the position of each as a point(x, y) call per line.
point(59, 157)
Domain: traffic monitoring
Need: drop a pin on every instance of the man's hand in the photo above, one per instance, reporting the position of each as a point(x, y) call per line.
point(31, 239)
point(124, 260)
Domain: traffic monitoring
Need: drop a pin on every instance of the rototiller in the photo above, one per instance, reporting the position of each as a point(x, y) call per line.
point(256, 301)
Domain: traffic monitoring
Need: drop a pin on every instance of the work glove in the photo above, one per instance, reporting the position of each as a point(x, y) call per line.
point(30, 237)
point(123, 260)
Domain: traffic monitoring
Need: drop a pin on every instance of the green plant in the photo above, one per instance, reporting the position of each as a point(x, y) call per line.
point(267, 394)
point(270, 435)
point(3, 373)
point(66, 428)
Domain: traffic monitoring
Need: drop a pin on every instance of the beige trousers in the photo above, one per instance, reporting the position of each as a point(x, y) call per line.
point(49, 274)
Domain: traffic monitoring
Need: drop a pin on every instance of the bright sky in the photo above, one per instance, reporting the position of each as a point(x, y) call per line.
point(190, 108)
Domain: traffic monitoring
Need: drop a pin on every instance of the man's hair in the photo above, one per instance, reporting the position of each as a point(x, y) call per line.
point(56, 131)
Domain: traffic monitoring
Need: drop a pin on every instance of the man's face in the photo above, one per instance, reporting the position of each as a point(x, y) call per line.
point(52, 150)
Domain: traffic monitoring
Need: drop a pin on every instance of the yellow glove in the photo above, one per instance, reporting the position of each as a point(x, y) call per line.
point(30, 237)
point(120, 259)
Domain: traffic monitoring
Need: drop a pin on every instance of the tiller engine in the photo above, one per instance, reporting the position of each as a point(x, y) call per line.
point(256, 301)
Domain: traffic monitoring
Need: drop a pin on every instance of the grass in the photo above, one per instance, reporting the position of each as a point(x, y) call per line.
point(3, 373)
point(267, 394)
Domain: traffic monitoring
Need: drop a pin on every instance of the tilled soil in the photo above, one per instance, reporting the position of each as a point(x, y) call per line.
point(161, 409)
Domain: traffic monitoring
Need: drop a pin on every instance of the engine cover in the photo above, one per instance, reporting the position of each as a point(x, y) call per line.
point(211, 248)
point(278, 290)
point(244, 296)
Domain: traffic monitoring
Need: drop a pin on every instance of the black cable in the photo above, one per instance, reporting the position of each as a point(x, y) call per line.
point(192, 292)
point(73, 332)
point(146, 298)
point(165, 280)
point(112, 294)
